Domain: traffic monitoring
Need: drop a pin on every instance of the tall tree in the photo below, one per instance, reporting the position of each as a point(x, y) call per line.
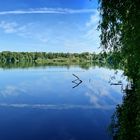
point(120, 32)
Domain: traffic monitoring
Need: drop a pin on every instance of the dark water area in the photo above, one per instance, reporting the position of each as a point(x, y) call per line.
point(44, 103)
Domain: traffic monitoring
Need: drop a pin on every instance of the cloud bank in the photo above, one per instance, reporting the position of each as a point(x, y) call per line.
point(48, 11)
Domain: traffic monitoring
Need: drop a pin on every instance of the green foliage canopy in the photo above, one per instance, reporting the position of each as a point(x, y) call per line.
point(120, 31)
point(120, 34)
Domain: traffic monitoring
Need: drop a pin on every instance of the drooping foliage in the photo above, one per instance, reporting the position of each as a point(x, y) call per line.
point(120, 32)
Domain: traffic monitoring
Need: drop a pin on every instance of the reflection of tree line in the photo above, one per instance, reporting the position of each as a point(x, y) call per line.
point(83, 65)
point(44, 57)
point(36, 59)
point(120, 35)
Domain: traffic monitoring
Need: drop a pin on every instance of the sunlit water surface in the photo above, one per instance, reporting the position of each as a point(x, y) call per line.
point(44, 104)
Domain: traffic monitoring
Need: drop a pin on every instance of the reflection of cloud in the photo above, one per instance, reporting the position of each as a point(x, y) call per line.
point(106, 74)
point(101, 94)
point(11, 91)
point(54, 107)
point(27, 87)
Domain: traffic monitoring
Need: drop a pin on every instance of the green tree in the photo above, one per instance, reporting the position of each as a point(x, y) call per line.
point(120, 34)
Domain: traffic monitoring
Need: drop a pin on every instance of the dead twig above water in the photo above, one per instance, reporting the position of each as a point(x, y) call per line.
point(77, 81)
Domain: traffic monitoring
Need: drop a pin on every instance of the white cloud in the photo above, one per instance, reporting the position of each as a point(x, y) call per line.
point(8, 27)
point(22, 30)
point(86, 36)
point(45, 40)
point(92, 25)
point(91, 32)
point(47, 11)
point(12, 27)
point(94, 19)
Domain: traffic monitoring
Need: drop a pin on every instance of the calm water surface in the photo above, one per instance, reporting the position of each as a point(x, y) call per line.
point(44, 104)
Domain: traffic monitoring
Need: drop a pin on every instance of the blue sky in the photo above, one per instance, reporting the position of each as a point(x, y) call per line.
point(49, 25)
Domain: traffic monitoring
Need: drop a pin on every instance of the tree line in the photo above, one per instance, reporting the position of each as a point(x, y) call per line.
point(14, 57)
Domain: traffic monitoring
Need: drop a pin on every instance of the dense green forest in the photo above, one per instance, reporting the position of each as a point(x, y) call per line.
point(12, 57)
point(35, 59)
point(120, 34)
point(43, 57)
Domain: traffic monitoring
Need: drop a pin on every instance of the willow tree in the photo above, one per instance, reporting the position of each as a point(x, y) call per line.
point(120, 32)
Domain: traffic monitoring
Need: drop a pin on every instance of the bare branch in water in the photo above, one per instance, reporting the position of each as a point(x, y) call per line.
point(75, 81)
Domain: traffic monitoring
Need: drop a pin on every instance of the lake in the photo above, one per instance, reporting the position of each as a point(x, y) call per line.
point(57, 103)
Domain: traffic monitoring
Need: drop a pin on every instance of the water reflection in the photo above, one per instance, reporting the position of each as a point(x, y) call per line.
point(55, 107)
point(43, 103)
